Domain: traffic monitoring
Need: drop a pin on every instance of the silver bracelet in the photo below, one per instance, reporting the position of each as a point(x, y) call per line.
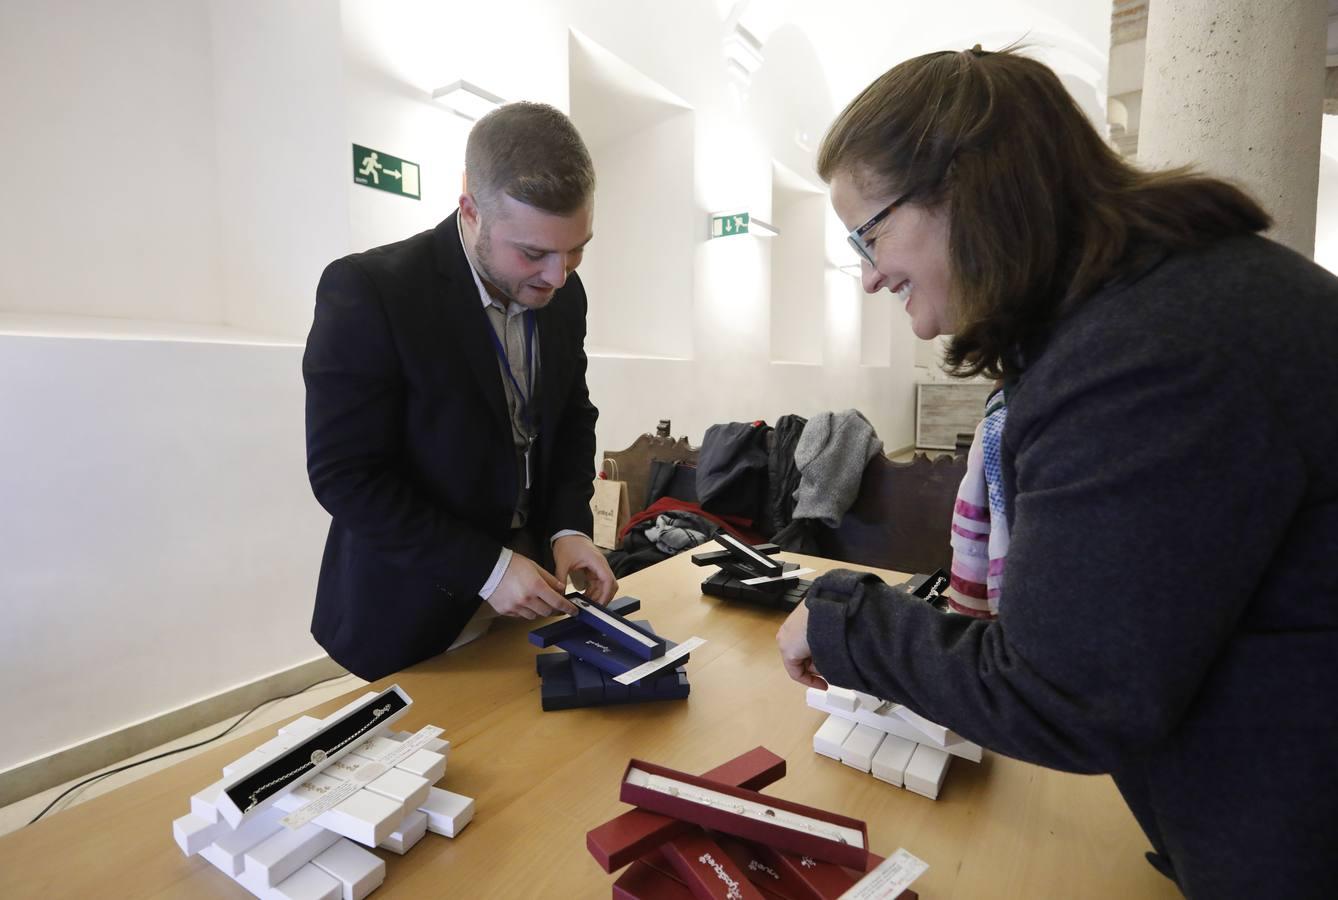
point(317, 757)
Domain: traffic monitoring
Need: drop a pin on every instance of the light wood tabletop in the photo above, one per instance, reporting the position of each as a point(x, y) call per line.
point(541, 780)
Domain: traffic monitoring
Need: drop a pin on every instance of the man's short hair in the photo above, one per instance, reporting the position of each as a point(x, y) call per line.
point(531, 152)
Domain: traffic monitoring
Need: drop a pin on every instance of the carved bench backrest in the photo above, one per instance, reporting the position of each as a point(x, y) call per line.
point(633, 464)
point(901, 517)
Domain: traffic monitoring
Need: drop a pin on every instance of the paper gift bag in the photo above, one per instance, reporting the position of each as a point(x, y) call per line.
point(609, 504)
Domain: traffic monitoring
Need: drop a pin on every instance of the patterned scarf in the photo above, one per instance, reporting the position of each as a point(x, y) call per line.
point(979, 521)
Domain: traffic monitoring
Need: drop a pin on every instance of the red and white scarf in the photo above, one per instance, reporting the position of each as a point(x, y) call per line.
point(980, 522)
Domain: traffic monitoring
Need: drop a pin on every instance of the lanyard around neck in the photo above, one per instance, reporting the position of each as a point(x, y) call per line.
point(526, 393)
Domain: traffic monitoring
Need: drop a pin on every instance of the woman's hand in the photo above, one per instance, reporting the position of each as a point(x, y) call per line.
point(792, 638)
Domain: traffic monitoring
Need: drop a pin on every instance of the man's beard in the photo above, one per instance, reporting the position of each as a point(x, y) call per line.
point(483, 260)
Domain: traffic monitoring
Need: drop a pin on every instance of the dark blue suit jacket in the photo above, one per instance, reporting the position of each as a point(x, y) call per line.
point(409, 446)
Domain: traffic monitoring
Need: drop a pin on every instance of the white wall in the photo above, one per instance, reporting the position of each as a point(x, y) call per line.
point(110, 175)
point(798, 266)
point(278, 94)
point(637, 277)
point(184, 179)
point(1326, 220)
point(179, 161)
point(159, 543)
point(859, 40)
point(877, 323)
point(385, 114)
point(154, 489)
point(642, 80)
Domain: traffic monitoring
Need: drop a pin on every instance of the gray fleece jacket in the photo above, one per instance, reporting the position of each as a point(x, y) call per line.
point(831, 455)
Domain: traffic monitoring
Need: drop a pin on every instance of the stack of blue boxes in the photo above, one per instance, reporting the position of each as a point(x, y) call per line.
point(594, 646)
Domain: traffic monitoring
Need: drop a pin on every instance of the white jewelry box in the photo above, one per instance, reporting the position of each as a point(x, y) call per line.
point(204, 803)
point(229, 850)
point(447, 813)
point(284, 852)
point(889, 763)
point(358, 871)
point(426, 763)
point(859, 747)
point(405, 788)
point(364, 816)
point(193, 833)
point(307, 883)
point(894, 724)
point(409, 832)
point(832, 735)
point(926, 770)
point(842, 698)
point(313, 861)
point(269, 777)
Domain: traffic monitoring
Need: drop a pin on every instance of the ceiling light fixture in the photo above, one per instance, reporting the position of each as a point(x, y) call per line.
point(467, 100)
point(743, 53)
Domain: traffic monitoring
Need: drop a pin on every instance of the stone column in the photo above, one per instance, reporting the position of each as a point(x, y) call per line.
point(1236, 88)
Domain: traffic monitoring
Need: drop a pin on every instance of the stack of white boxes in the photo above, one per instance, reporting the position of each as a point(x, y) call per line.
point(886, 739)
point(323, 859)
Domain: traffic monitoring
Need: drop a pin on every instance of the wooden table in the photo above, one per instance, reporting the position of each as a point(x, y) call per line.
point(541, 780)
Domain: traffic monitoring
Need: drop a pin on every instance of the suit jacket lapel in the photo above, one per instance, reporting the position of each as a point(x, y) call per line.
point(467, 320)
point(554, 362)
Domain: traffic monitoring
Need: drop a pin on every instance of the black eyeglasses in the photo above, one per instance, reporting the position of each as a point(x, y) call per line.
point(856, 237)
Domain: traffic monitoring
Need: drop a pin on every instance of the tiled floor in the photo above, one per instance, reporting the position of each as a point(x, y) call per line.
point(18, 815)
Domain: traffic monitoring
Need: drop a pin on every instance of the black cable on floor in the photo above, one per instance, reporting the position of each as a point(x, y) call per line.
point(221, 734)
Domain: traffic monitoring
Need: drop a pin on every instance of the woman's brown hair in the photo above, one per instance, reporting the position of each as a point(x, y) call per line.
point(1042, 211)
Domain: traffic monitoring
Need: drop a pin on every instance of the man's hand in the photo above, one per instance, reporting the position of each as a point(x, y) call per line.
point(577, 553)
point(794, 650)
point(528, 592)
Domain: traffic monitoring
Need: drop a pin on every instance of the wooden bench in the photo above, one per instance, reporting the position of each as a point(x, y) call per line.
point(900, 519)
point(902, 516)
point(633, 464)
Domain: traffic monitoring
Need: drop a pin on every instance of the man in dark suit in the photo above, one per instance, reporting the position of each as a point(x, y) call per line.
point(450, 433)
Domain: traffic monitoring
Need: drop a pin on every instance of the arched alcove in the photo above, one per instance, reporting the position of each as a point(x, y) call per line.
point(641, 139)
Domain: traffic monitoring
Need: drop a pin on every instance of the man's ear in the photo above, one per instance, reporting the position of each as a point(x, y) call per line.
point(469, 209)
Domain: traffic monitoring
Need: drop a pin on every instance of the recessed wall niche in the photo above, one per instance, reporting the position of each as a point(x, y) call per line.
point(798, 291)
point(638, 272)
point(877, 315)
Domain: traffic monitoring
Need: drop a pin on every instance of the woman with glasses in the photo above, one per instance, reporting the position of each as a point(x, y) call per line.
point(1168, 602)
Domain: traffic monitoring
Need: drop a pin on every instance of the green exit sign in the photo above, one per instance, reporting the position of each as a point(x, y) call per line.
point(380, 170)
point(724, 226)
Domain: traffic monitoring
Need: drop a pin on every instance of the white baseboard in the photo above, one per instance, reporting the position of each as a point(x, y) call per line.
point(37, 775)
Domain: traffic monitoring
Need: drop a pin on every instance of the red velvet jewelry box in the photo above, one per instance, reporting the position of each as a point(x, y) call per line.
point(707, 869)
point(621, 840)
point(747, 814)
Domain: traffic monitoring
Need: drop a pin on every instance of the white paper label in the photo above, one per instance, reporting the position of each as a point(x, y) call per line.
point(410, 745)
point(892, 876)
point(729, 540)
point(603, 615)
point(359, 779)
point(299, 817)
point(655, 665)
point(767, 579)
point(738, 806)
